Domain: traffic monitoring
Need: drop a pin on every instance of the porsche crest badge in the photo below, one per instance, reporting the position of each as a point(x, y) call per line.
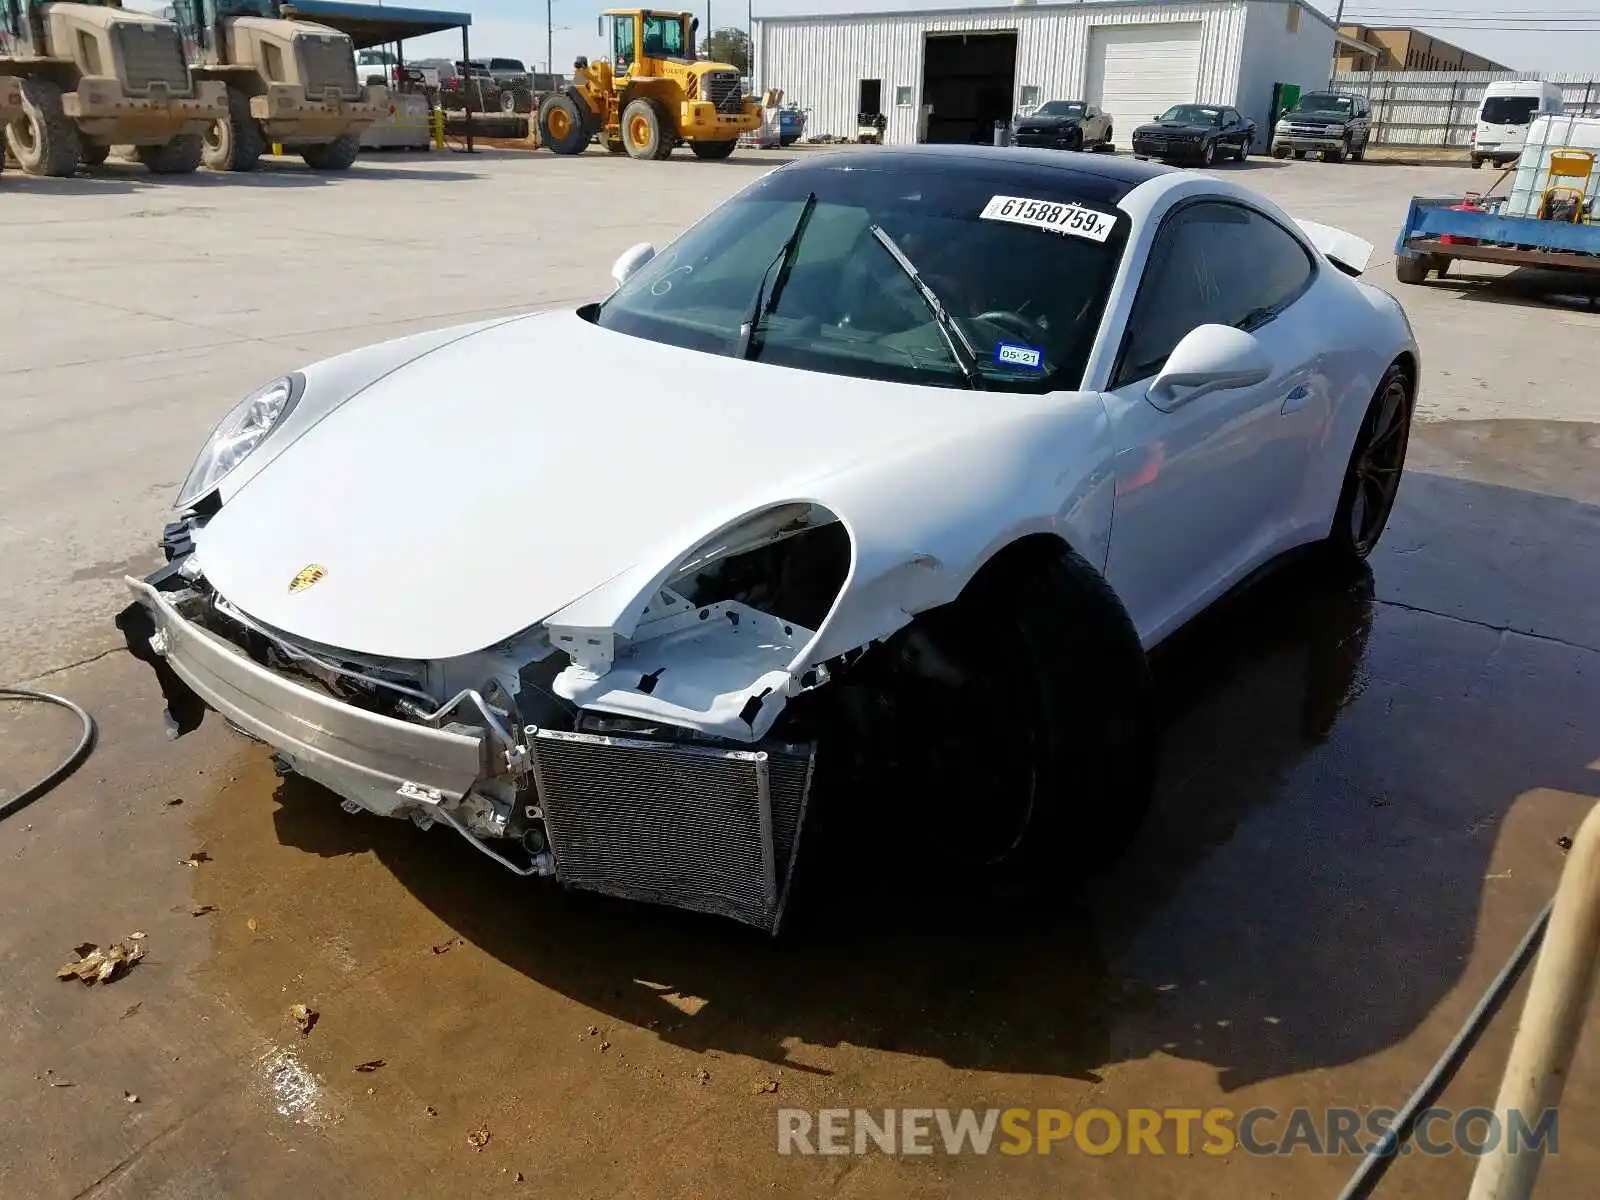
point(307, 576)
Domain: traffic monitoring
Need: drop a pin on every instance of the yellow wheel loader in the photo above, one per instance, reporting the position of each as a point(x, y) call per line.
point(94, 76)
point(651, 94)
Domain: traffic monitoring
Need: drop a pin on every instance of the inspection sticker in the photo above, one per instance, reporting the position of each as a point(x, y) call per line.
point(1072, 219)
point(1015, 354)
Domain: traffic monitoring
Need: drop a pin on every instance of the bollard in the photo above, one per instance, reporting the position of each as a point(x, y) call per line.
point(277, 149)
point(1552, 1018)
point(436, 121)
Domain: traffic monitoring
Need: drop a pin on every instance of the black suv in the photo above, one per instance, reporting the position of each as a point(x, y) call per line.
point(1335, 125)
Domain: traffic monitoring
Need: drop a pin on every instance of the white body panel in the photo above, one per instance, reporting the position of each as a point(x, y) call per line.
point(544, 476)
point(1139, 71)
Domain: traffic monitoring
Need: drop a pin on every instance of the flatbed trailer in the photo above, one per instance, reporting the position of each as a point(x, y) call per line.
point(1438, 231)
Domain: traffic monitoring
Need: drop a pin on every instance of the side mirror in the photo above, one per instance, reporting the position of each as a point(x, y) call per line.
point(1210, 358)
point(630, 260)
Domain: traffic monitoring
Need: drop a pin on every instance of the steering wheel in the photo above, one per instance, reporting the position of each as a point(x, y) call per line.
point(1016, 323)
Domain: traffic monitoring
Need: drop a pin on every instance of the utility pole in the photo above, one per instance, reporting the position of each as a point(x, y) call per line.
point(1338, 22)
point(550, 38)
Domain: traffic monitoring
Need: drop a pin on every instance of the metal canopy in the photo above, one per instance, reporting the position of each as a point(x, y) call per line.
point(376, 24)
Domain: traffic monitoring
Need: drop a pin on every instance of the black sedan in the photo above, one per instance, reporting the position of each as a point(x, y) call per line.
point(1195, 133)
point(1063, 125)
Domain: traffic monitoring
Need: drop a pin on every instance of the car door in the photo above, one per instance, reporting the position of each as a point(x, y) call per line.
point(1207, 490)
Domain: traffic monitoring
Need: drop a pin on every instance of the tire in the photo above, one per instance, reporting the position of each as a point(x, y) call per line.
point(337, 155)
point(1208, 155)
point(1299, 155)
point(647, 129)
point(44, 141)
point(508, 103)
point(94, 153)
point(714, 151)
point(1110, 144)
point(235, 143)
point(1411, 268)
point(180, 156)
point(561, 126)
point(1055, 778)
point(1333, 154)
point(1280, 152)
point(1241, 152)
point(1477, 161)
point(1359, 155)
point(1377, 465)
point(615, 146)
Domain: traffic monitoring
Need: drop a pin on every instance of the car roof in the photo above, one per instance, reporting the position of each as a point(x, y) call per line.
point(1096, 177)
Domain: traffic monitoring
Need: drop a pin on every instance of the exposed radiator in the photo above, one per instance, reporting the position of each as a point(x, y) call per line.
point(327, 63)
point(694, 827)
point(151, 55)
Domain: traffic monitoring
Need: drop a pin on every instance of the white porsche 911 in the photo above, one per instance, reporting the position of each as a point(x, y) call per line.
point(868, 493)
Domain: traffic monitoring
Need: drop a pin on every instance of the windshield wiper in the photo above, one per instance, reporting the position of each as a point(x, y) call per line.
point(954, 337)
point(784, 262)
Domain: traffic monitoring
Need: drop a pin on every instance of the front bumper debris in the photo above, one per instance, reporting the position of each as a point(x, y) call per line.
point(696, 825)
point(342, 744)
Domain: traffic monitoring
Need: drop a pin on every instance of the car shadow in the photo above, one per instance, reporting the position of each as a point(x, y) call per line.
point(1339, 750)
point(115, 177)
point(1524, 287)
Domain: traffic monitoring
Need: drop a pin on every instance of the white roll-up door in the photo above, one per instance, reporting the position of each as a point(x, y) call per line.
point(1136, 71)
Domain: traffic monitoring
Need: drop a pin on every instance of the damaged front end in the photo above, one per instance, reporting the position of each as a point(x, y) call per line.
point(655, 764)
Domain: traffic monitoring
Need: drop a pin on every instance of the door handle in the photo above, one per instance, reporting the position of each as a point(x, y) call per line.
point(1296, 400)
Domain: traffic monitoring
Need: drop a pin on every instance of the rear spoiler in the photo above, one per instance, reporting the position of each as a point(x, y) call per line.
point(1344, 250)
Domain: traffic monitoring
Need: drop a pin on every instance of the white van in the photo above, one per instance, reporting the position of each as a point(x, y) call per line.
point(1504, 114)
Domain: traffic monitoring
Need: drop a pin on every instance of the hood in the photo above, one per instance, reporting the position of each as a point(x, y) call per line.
point(1046, 122)
point(1179, 127)
point(468, 495)
point(1325, 116)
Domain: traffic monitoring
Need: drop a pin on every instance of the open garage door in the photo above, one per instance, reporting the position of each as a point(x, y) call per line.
point(1136, 71)
point(969, 79)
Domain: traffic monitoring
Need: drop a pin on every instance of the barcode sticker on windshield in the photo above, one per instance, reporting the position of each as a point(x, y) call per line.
point(1071, 219)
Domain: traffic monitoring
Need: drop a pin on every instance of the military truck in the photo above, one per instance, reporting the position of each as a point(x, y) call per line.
point(289, 82)
point(93, 76)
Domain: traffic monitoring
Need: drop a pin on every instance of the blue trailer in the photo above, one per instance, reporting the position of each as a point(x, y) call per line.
point(1439, 231)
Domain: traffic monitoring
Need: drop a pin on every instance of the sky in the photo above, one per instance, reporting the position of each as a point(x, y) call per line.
point(1544, 35)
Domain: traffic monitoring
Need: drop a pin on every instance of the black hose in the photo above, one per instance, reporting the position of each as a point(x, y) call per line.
point(1387, 1150)
point(31, 793)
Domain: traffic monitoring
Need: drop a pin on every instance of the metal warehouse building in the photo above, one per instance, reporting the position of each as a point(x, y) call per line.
point(945, 74)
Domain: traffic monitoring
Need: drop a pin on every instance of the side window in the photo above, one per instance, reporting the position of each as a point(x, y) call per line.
point(622, 42)
point(1213, 263)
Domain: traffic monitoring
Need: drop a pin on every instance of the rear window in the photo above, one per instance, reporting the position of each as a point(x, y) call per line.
point(1509, 110)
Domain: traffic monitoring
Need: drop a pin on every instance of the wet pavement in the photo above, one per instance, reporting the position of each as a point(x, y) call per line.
point(1364, 779)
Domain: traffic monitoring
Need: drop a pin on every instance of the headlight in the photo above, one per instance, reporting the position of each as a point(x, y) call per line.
point(1281, 127)
point(240, 432)
point(1333, 130)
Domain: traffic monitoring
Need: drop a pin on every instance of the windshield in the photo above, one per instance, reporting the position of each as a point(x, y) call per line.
point(1060, 108)
point(374, 58)
point(1193, 114)
point(1026, 299)
point(1324, 102)
point(1509, 110)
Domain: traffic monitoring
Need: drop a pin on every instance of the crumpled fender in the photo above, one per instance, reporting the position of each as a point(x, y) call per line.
point(920, 525)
